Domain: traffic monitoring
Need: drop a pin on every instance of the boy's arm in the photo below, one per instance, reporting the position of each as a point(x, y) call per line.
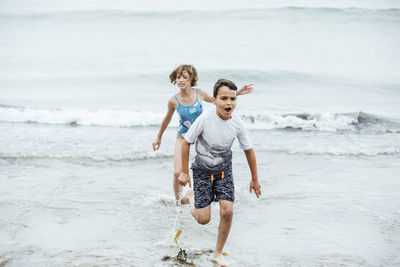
point(184, 177)
point(251, 160)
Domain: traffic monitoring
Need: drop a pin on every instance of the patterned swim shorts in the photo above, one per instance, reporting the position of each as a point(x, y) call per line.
point(209, 187)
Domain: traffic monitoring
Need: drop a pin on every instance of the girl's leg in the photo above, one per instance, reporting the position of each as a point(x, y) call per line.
point(177, 167)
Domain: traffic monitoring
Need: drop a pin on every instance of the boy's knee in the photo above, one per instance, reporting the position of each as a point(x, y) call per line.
point(203, 219)
point(227, 212)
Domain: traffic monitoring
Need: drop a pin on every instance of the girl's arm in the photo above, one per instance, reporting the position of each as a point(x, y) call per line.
point(246, 89)
point(164, 124)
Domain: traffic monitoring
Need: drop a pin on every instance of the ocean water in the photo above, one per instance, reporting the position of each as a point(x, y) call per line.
point(83, 90)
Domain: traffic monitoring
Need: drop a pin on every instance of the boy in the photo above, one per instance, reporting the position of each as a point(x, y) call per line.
point(214, 133)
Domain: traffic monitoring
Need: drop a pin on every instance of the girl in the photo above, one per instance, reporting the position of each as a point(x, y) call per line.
point(188, 105)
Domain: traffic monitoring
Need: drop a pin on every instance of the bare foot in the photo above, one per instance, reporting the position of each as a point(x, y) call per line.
point(177, 199)
point(186, 198)
point(221, 260)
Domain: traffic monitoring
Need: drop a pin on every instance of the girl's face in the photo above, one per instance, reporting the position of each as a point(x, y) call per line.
point(184, 80)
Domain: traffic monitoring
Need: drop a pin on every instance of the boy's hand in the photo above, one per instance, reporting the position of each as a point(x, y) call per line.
point(156, 144)
point(184, 178)
point(254, 185)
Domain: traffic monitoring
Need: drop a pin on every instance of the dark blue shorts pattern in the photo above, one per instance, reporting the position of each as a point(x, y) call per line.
point(209, 187)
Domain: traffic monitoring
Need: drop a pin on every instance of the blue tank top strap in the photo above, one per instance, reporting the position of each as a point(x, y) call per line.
point(188, 114)
point(177, 100)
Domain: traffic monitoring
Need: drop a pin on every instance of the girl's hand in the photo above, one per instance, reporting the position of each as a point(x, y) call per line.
point(246, 89)
point(156, 144)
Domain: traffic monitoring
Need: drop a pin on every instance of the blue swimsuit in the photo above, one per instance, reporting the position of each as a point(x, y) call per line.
point(188, 114)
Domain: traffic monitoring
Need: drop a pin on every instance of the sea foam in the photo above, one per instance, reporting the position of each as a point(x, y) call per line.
point(259, 119)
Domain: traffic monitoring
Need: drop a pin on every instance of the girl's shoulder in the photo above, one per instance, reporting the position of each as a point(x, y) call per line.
point(179, 98)
point(201, 93)
point(172, 102)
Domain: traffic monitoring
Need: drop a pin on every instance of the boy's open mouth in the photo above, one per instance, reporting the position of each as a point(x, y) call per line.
point(228, 109)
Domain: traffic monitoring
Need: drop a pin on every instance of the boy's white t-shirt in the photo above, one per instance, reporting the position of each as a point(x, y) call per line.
point(214, 138)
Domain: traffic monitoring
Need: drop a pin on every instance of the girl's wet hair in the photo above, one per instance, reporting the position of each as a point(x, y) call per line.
point(177, 72)
point(222, 82)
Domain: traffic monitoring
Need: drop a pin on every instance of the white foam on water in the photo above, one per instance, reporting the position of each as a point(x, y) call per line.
point(118, 118)
point(255, 119)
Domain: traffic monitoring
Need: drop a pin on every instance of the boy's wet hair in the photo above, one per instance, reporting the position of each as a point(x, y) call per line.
point(222, 82)
point(177, 72)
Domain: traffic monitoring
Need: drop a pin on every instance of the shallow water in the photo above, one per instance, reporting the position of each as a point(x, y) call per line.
point(315, 210)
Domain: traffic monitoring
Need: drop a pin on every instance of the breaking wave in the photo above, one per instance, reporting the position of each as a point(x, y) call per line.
point(356, 121)
point(80, 117)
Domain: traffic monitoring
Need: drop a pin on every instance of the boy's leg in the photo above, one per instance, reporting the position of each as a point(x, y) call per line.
point(201, 197)
point(177, 168)
point(226, 215)
point(202, 215)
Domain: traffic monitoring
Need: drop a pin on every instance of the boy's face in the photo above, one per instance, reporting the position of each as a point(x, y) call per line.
point(183, 80)
point(225, 102)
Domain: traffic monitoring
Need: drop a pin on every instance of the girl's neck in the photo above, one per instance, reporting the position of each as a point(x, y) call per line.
point(185, 92)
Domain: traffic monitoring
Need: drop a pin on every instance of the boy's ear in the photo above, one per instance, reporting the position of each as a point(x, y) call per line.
point(213, 100)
